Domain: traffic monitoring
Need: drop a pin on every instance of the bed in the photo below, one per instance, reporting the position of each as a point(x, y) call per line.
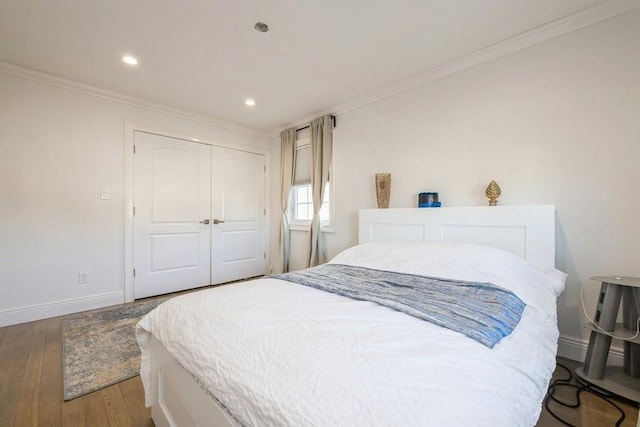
point(274, 352)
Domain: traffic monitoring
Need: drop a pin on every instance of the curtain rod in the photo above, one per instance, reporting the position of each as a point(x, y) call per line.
point(333, 119)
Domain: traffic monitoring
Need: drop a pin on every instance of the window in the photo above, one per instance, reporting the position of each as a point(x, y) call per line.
point(302, 201)
point(301, 210)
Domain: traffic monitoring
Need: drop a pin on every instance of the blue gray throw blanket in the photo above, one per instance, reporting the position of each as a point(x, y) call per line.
point(482, 311)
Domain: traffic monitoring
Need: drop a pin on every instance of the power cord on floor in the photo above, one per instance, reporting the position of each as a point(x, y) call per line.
point(566, 382)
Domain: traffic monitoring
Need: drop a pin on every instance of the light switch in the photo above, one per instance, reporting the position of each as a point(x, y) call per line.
point(105, 194)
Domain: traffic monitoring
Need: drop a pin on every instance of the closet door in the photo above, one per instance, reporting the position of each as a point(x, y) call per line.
point(238, 215)
point(172, 199)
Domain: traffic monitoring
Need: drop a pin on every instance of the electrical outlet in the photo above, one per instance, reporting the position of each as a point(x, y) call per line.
point(105, 194)
point(83, 278)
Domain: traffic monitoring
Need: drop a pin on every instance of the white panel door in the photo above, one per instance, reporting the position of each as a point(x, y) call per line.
point(172, 199)
point(238, 215)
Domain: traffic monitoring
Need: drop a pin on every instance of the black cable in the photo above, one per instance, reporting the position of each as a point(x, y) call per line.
point(566, 382)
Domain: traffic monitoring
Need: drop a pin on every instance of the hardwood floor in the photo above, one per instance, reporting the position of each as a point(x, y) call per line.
point(31, 385)
point(593, 411)
point(31, 389)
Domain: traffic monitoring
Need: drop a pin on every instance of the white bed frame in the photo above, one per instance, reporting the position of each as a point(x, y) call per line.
point(527, 231)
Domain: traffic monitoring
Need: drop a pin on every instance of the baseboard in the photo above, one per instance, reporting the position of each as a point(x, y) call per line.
point(576, 349)
point(59, 308)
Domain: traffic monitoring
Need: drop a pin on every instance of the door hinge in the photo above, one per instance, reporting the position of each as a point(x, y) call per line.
point(134, 211)
point(134, 272)
point(265, 168)
point(265, 211)
point(134, 149)
point(265, 255)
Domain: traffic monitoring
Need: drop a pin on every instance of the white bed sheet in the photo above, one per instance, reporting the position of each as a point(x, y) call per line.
point(277, 353)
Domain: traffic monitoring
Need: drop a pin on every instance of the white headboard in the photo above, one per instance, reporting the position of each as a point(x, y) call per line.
point(526, 231)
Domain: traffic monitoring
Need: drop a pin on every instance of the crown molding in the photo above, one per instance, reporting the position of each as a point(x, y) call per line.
point(18, 71)
point(582, 19)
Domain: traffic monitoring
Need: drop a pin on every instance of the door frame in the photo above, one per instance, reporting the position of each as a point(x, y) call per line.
point(129, 140)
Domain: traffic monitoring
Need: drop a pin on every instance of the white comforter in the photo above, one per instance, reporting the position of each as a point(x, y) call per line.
point(280, 354)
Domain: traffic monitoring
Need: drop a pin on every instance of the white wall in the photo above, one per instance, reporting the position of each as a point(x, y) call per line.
point(59, 147)
point(558, 123)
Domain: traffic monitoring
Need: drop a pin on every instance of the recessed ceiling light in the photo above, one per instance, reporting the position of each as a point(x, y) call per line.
point(250, 102)
point(195, 139)
point(261, 26)
point(128, 59)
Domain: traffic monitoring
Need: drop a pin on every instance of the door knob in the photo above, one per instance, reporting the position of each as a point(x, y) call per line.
point(206, 222)
point(217, 221)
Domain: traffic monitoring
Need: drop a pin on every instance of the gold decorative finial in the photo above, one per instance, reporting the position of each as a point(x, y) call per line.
point(493, 192)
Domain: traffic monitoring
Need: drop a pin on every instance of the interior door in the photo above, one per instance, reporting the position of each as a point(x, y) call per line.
point(172, 202)
point(238, 215)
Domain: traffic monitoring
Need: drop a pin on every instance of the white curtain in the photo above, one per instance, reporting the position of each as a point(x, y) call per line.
point(287, 168)
point(321, 152)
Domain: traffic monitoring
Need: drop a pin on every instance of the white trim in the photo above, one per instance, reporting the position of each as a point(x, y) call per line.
point(584, 18)
point(129, 140)
point(62, 83)
point(59, 308)
point(576, 349)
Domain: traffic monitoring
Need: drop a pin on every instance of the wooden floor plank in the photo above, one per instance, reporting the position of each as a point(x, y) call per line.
point(95, 414)
point(28, 402)
point(50, 402)
point(7, 406)
point(133, 394)
point(115, 406)
point(13, 359)
point(14, 346)
point(3, 332)
point(72, 413)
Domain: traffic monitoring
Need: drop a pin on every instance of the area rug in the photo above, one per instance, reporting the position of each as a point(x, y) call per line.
point(99, 347)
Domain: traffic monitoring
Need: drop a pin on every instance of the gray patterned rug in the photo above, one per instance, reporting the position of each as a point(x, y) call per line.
point(99, 347)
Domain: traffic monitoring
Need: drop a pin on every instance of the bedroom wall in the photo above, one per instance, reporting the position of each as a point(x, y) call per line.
point(59, 147)
point(557, 123)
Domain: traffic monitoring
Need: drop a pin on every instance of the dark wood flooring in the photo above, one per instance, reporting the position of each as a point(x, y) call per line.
point(31, 389)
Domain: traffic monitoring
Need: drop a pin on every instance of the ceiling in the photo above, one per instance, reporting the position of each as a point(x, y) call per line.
point(204, 56)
